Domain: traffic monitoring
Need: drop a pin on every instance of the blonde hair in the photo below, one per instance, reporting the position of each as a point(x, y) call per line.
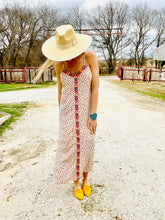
point(41, 70)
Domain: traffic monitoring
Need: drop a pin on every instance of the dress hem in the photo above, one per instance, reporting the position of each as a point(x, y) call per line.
point(69, 180)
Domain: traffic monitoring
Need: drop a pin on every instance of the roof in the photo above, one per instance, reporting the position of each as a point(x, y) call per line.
point(159, 53)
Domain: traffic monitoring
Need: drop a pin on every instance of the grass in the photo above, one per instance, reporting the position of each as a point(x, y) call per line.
point(15, 109)
point(19, 86)
point(153, 89)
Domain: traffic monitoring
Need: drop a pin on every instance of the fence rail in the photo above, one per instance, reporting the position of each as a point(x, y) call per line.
point(143, 73)
point(23, 74)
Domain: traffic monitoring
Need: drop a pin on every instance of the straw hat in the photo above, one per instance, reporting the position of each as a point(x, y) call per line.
point(66, 44)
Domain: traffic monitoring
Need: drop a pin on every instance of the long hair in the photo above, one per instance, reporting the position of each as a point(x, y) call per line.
point(41, 69)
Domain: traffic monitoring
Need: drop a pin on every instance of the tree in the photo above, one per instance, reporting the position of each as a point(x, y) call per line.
point(141, 35)
point(114, 14)
point(77, 17)
point(159, 26)
point(22, 29)
point(42, 18)
point(12, 38)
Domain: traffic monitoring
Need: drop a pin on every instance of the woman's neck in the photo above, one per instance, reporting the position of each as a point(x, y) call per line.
point(75, 63)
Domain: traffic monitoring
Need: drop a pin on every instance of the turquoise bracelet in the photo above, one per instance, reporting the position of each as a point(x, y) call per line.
point(93, 116)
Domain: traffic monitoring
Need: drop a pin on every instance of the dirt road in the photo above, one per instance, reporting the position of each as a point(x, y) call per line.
point(128, 177)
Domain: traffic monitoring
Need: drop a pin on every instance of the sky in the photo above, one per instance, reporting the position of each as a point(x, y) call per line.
point(131, 3)
point(88, 4)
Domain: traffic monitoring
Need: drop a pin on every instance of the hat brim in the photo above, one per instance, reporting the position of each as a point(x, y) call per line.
point(53, 52)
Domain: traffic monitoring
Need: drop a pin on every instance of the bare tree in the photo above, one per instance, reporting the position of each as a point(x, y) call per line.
point(114, 14)
point(3, 28)
point(159, 27)
point(42, 18)
point(141, 27)
point(22, 28)
point(77, 17)
point(12, 38)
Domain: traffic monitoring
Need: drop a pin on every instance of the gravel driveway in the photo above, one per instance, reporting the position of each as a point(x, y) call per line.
point(128, 180)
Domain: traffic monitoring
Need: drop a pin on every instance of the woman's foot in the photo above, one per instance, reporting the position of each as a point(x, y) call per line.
point(85, 181)
point(77, 185)
point(78, 193)
point(86, 187)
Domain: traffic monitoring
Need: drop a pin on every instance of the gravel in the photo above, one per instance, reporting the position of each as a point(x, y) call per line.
point(128, 177)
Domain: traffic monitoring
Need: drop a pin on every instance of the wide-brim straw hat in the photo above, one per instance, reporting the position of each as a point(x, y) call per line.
point(66, 44)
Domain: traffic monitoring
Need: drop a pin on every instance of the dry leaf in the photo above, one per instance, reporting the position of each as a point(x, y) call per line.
point(7, 199)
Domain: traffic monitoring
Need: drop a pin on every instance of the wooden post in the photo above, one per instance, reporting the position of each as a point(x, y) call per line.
point(146, 75)
point(5, 75)
point(42, 77)
point(51, 78)
point(29, 76)
point(11, 76)
point(1, 76)
point(150, 75)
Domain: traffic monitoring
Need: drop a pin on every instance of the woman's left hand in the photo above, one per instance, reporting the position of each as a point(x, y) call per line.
point(92, 125)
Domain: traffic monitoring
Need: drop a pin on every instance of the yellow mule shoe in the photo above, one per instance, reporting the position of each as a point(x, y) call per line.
point(78, 193)
point(87, 190)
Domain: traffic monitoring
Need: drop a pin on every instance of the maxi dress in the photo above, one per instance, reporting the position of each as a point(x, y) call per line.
point(76, 145)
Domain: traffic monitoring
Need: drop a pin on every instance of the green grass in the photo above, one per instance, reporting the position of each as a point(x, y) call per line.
point(19, 86)
point(15, 109)
point(159, 96)
point(153, 89)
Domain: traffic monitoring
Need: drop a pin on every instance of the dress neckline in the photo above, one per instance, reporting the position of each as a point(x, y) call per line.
point(75, 74)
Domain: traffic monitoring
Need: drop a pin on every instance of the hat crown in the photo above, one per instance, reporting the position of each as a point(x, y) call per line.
point(65, 34)
point(66, 44)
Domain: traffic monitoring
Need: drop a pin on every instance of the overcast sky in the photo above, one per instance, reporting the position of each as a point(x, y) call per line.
point(88, 4)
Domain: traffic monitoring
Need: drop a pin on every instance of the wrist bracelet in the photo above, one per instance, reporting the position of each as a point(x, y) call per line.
point(93, 116)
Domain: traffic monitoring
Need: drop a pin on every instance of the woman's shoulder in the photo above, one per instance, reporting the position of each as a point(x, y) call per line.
point(90, 56)
point(58, 66)
point(90, 53)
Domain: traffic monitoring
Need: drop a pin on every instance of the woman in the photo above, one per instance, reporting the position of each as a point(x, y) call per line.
point(78, 82)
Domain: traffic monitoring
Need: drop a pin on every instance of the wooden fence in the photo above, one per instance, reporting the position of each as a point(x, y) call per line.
point(23, 74)
point(143, 73)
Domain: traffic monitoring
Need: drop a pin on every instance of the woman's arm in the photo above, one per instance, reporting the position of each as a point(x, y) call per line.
point(93, 64)
point(57, 67)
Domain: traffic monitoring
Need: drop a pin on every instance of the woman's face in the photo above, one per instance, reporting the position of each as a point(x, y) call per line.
point(76, 58)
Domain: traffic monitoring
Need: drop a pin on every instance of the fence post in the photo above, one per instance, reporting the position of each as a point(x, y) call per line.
point(42, 78)
point(150, 75)
point(122, 73)
point(10, 76)
point(1, 76)
point(29, 76)
point(24, 74)
point(146, 77)
point(5, 75)
point(51, 75)
point(119, 72)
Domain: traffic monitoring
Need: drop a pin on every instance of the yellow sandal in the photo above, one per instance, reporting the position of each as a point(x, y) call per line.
point(78, 193)
point(87, 190)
